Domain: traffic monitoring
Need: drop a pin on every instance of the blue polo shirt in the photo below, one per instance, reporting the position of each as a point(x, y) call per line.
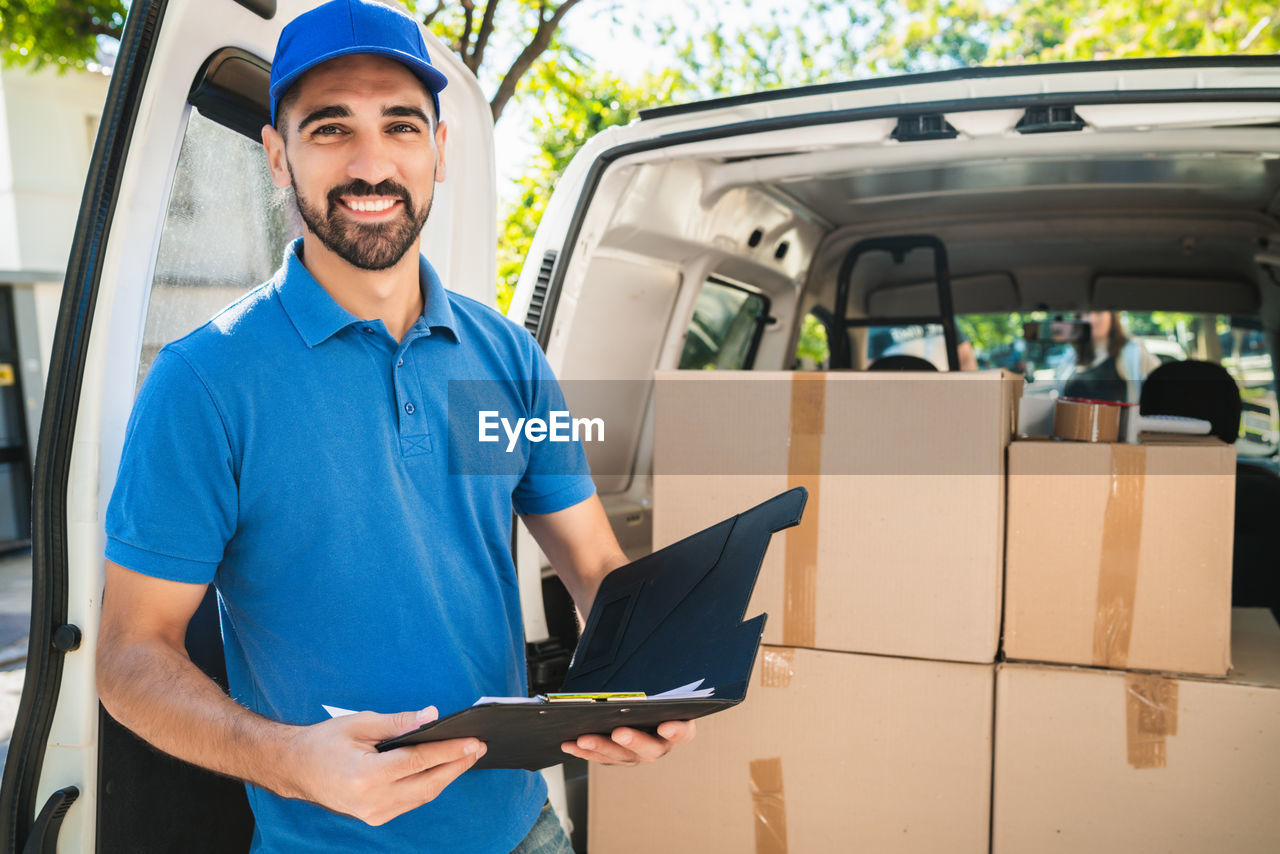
point(303, 461)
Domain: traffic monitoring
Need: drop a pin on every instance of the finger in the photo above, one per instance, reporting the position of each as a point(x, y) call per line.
point(375, 727)
point(417, 758)
point(678, 732)
point(416, 790)
point(572, 748)
point(645, 747)
point(602, 748)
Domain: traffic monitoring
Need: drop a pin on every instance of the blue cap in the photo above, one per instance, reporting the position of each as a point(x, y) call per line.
point(341, 28)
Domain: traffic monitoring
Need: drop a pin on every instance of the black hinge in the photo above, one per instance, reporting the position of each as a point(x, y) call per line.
point(538, 302)
point(44, 833)
point(1049, 120)
point(261, 8)
point(922, 127)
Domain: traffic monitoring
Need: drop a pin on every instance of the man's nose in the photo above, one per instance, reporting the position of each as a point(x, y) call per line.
point(371, 161)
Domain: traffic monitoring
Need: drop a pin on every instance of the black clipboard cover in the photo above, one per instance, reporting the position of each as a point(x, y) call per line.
point(671, 618)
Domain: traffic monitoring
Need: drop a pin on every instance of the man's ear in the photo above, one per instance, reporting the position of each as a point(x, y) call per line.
point(442, 132)
point(273, 142)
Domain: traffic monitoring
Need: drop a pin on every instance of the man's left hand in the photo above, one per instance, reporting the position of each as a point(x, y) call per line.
point(625, 746)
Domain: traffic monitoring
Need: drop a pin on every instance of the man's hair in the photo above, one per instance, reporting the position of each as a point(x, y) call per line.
point(287, 100)
point(290, 97)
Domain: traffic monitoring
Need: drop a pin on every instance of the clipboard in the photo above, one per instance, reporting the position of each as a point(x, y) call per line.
point(671, 618)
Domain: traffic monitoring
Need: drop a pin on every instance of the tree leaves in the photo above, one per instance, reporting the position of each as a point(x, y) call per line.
point(62, 33)
point(518, 51)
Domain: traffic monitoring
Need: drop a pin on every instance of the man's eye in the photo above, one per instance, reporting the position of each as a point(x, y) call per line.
point(327, 130)
point(404, 127)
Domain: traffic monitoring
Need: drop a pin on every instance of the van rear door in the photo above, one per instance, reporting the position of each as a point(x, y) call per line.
point(177, 219)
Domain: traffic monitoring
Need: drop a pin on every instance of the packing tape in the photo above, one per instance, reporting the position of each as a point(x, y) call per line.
point(804, 461)
point(1118, 566)
point(769, 806)
point(1151, 716)
point(777, 666)
point(1086, 420)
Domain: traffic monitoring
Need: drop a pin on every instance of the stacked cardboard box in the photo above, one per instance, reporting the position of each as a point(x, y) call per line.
point(831, 752)
point(870, 718)
point(1090, 759)
point(849, 739)
point(1120, 555)
point(901, 550)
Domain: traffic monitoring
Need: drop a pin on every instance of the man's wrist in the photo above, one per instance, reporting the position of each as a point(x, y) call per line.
point(282, 752)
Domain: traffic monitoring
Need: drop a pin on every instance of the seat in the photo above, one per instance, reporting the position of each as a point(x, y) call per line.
point(1205, 390)
point(901, 363)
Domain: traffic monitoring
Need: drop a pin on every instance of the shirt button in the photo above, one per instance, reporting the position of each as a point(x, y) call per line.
point(400, 364)
point(408, 407)
point(369, 329)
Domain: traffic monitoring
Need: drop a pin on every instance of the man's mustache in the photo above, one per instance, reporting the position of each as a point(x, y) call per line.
point(386, 189)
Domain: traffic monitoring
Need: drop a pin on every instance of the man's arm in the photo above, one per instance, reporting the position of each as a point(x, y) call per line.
point(583, 549)
point(149, 684)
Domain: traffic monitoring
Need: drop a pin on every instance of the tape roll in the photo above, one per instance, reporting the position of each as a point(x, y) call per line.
point(1080, 420)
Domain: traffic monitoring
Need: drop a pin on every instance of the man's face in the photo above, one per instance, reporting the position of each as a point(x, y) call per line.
point(359, 144)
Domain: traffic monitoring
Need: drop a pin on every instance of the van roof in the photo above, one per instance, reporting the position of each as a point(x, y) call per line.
point(1266, 61)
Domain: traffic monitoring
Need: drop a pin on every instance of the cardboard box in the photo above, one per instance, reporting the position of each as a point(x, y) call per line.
point(1102, 760)
point(1120, 555)
point(830, 752)
point(901, 547)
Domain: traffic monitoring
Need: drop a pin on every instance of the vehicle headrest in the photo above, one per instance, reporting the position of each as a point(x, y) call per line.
point(1195, 389)
point(901, 363)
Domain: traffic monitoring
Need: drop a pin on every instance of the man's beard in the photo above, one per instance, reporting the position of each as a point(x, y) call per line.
point(373, 246)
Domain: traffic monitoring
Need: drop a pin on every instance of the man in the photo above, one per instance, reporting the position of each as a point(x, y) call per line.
point(294, 452)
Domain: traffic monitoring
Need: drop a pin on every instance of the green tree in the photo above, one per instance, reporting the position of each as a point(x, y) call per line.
point(576, 104)
point(513, 35)
point(720, 50)
point(923, 35)
point(61, 33)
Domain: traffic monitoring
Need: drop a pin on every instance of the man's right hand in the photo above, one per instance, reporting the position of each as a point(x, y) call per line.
point(148, 683)
point(339, 767)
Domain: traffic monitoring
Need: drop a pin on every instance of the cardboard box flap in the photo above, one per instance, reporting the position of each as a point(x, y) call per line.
point(1255, 647)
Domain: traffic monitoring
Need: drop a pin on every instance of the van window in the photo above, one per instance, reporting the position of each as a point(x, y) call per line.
point(725, 329)
point(1143, 341)
point(813, 350)
point(922, 340)
point(224, 233)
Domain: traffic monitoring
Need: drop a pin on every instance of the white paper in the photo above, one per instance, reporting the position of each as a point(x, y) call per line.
point(505, 701)
point(685, 692)
point(692, 691)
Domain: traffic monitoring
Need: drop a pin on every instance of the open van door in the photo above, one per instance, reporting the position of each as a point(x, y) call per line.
point(178, 218)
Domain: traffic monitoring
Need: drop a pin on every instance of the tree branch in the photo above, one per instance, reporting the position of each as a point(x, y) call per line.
point(105, 30)
point(482, 38)
point(86, 23)
point(541, 39)
point(469, 7)
point(431, 16)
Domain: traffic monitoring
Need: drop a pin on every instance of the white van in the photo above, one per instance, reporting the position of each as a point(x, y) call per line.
point(706, 235)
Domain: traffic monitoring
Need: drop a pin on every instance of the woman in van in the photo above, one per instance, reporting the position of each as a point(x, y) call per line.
point(1109, 364)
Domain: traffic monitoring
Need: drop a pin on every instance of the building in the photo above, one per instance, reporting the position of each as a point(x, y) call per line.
point(48, 122)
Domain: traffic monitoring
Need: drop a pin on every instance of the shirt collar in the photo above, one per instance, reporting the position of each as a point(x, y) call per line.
point(437, 310)
point(318, 317)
